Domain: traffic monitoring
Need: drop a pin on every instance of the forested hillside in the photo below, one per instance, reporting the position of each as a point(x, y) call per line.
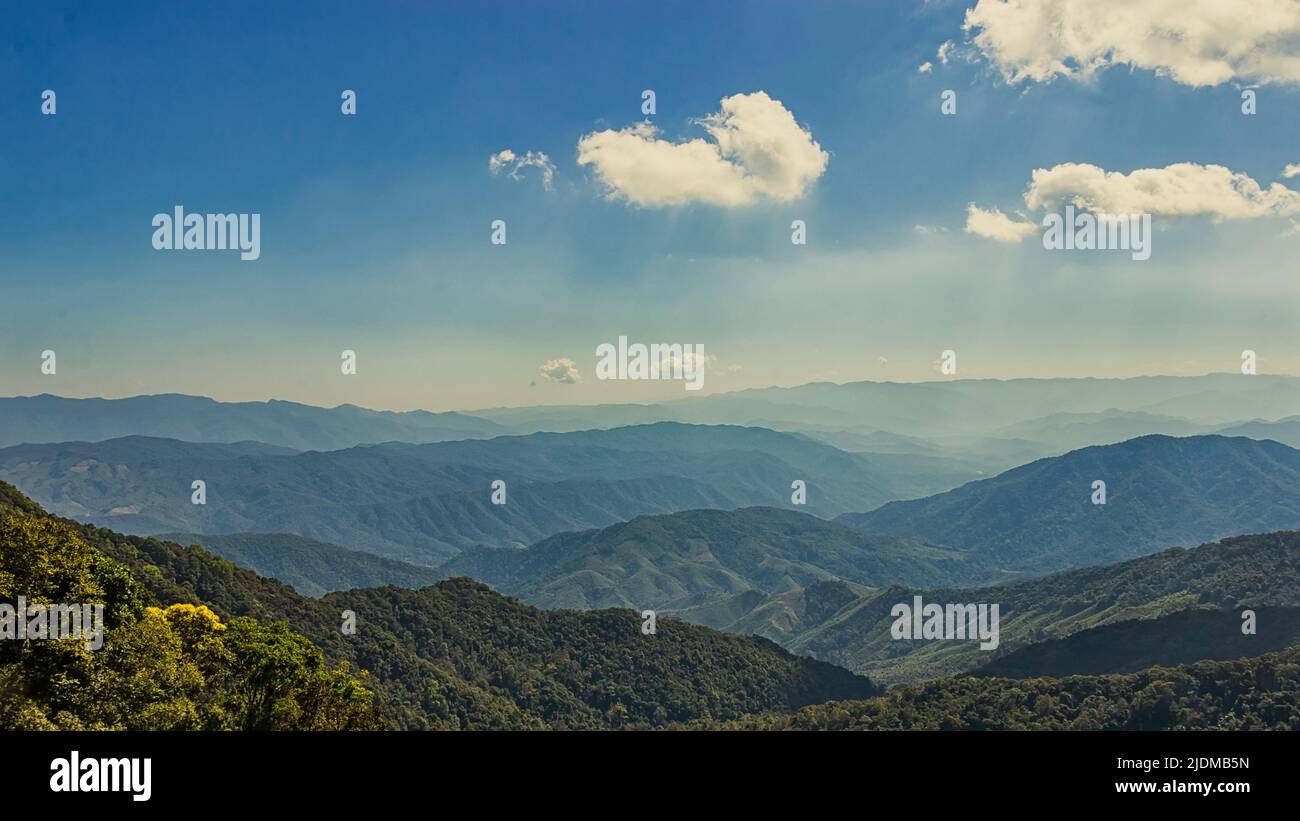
point(457, 655)
point(1260, 693)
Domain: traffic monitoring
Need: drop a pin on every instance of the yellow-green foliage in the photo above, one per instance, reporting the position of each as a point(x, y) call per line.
point(170, 668)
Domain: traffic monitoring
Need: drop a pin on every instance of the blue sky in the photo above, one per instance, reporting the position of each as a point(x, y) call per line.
point(375, 227)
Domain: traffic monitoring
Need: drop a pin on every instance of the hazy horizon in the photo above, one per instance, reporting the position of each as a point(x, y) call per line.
point(667, 399)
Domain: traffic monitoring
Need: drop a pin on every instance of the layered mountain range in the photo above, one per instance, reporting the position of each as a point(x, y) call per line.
point(1122, 527)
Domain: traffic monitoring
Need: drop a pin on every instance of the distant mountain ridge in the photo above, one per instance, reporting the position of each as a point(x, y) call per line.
point(1160, 490)
point(886, 413)
point(424, 503)
point(47, 418)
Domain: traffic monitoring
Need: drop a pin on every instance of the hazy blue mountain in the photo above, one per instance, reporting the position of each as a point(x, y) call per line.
point(424, 503)
point(686, 559)
point(964, 419)
point(864, 440)
point(713, 452)
point(47, 418)
point(1063, 432)
point(1160, 490)
point(963, 406)
point(1286, 431)
point(312, 568)
point(939, 408)
point(984, 425)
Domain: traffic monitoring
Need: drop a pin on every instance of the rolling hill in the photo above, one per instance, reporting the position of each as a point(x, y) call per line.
point(687, 559)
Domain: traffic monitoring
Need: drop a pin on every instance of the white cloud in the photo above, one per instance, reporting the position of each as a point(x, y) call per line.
point(758, 152)
point(993, 224)
point(1181, 189)
point(1291, 170)
point(1194, 42)
point(944, 50)
point(563, 370)
point(511, 163)
point(925, 68)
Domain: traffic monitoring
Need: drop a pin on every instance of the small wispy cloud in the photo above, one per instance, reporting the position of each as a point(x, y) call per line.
point(511, 164)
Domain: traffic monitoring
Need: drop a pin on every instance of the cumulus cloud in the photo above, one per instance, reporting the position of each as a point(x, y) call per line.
point(757, 152)
point(926, 67)
point(1179, 190)
point(993, 224)
point(511, 164)
point(1194, 42)
point(563, 370)
point(1291, 170)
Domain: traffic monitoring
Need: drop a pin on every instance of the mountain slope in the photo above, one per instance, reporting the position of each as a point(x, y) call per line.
point(1228, 576)
point(312, 568)
point(686, 559)
point(1129, 646)
point(1160, 490)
